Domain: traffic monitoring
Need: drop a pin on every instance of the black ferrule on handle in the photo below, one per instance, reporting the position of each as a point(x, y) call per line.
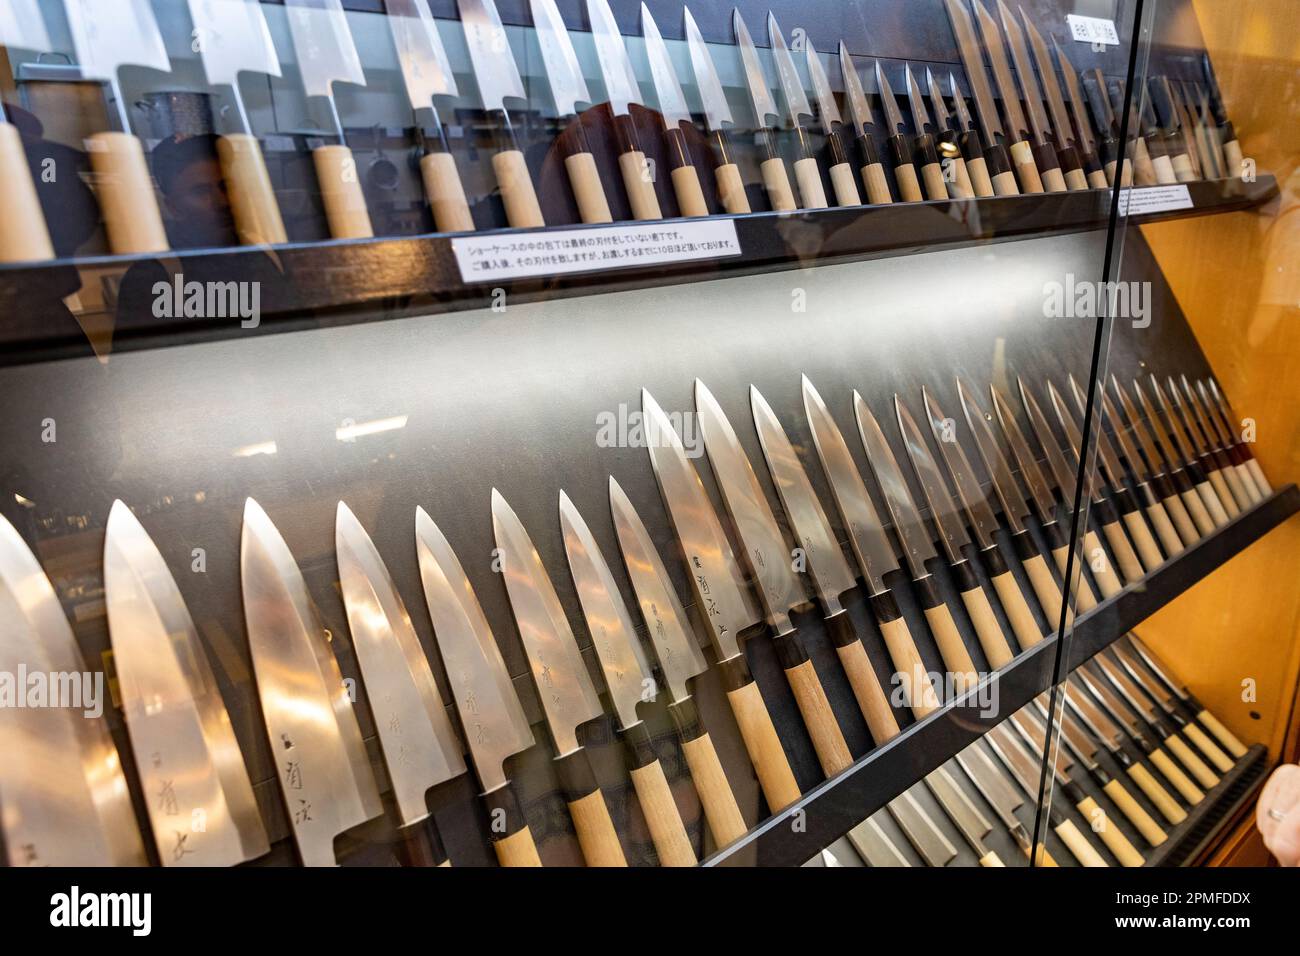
point(840, 627)
point(1055, 535)
point(577, 778)
point(900, 153)
point(1146, 494)
point(927, 593)
point(994, 562)
point(625, 134)
point(1110, 151)
point(1164, 486)
point(1195, 473)
point(790, 650)
point(964, 576)
point(735, 673)
point(1221, 458)
point(1089, 160)
point(686, 718)
point(996, 160)
point(505, 816)
point(679, 153)
point(870, 155)
point(573, 140)
point(1069, 157)
point(1045, 157)
point(1182, 480)
point(1236, 453)
point(639, 746)
point(924, 152)
point(1128, 502)
point(838, 146)
point(885, 606)
point(970, 145)
point(1073, 792)
point(1023, 544)
point(1104, 510)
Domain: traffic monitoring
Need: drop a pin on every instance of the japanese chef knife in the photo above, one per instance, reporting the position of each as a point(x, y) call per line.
point(196, 787)
point(1084, 141)
point(871, 547)
point(621, 91)
point(1208, 130)
point(1002, 797)
point(1235, 450)
point(875, 847)
point(1205, 441)
point(498, 79)
point(969, 140)
point(108, 35)
point(1045, 155)
point(717, 119)
point(63, 797)
point(1189, 490)
point(320, 758)
point(1068, 148)
point(722, 599)
point(1151, 163)
point(951, 143)
point(563, 682)
point(838, 142)
point(1111, 150)
point(996, 165)
point(900, 148)
point(1171, 128)
point(628, 680)
point(776, 179)
point(1162, 670)
point(672, 107)
point(1188, 124)
point(925, 146)
point(24, 236)
point(864, 123)
point(1153, 471)
point(1232, 423)
point(769, 561)
point(493, 720)
point(1232, 158)
point(232, 37)
point(680, 660)
point(807, 172)
point(1026, 151)
point(970, 823)
point(1209, 485)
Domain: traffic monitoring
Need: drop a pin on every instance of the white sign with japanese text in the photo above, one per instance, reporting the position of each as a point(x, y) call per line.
point(1134, 202)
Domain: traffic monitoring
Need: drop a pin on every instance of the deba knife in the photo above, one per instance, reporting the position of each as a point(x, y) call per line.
point(672, 108)
point(717, 119)
point(24, 236)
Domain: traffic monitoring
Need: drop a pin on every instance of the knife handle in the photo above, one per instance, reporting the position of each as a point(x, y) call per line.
point(1182, 783)
point(1108, 513)
point(1206, 777)
point(720, 809)
point(1170, 539)
point(1224, 735)
point(584, 179)
point(1178, 514)
point(1072, 168)
point(637, 178)
point(1107, 580)
point(731, 187)
point(841, 171)
point(515, 847)
point(1157, 794)
point(997, 649)
point(959, 184)
point(873, 173)
point(1022, 156)
point(1182, 164)
point(1232, 157)
point(24, 236)
point(1164, 170)
point(1098, 178)
point(445, 192)
point(1151, 831)
point(1045, 589)
point(809, 176)
point(1206, 746)
point(124, 187)
point(340, 192)
point(1049, 167)
point(662, 818)
point(870, 696)
point(926, 159)
point(777, 182)
point(248, 184)
point(1256, 472)
point(1236, 499)
point(1144, 172)
point(756, 729)
point(1246, 480)
point(1078, 845)
point(998, 162)
point(991, 859)
point(1014, 602)
point(1148, 551)
point(686, 181)
point(956, 658)
point(590, 815)
point(1111, 836)
point(976, 165)
point(516, 186)
point(1213, 503)
point(827, 738)
point(1041, 857)
point(909, 187)
point(1084, 598)
point(1220, 486)
point(1195, 505)
point(908, 666)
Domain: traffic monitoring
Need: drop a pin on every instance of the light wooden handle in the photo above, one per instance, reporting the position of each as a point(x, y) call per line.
point(919, 691)
point(1078, 845)
point(1045, 588)
point(1148, 552)
point(1232, 158)
point(809, 176)
point(1128, 805)
point(596, 836)
point(846, 188)
point(446, 862)
point(1022, 157)
point(1177, 512)
point(1110, 834)
point(960, 187)
point(827, 738)
point(639, 185)
point(1182, 783)
point(1237, 489)
point(1254, 495)
point(1110, 172)
point(1206, 746)
point(720, 808)
point(126, 195)
point(876, 185)
point(978, 170)
point(909, 188)
point(517, 193)
point(518, 849)
point(1004, 184)
point(867, 690)
point(991, 859)
point(936, 187)
point(690, 195)
point(763, 746)
point(1164, 171)
point(1144, 172)
point(1041, 857)
point(1257, 473)
point(776, 180)
point(1100, 179)
point(996, 647)
point(340, 191)
point(23, 234)
point(1158, 795)
point(731, 189)
point(1126, 174)
point(1226, 500)
point(1165, 531)
point(446, 193)
point(1183, 168)
point(1224, 735)
point(1107, 580)
point(1206, 777)
point(248, 185)
point(662, 817)
point(1213, 503)
point(1053, 181)
point(956, 658)
point(588, 192)
point(1196, 508)
point(1076, 180)
point(1023, 624)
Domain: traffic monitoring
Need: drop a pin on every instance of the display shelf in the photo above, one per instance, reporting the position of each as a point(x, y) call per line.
point(1192, 837)
point(835, 806)
point(343, 282)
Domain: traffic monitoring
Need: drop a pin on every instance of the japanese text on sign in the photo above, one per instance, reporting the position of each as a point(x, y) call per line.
point(1154, 199)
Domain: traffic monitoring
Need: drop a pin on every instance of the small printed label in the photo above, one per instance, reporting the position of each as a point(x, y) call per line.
point(561, 251)
point(1092, 29)
point(1154, 199)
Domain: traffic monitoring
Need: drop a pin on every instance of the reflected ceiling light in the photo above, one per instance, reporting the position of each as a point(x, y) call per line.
point(260, 448)
point(361, 429)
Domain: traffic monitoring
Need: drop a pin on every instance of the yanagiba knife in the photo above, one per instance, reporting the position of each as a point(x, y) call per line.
point(1068, 149)
point(807, 172)
point(1148, 464)
point(320, 758)
point(1045, 156)
point(420, 747)
point(1162, 460)
point(200, 801)
point(1202, 471)
point(952, 145)
point(717, 119)
point(1231, 423)
point(900, 149)
point(628, 680)
point(838, 141)
point(925, 146)
point(864, 121)
point(24, 235)
point(563, 683)
point(63, 797)
point(493, 720)
point(1086, 144)
point(672, 107)
point(996, 164)
point(1025, 150)
point(1235, 450)
point(776, 179)
point(1207, 439)
point(498, 79)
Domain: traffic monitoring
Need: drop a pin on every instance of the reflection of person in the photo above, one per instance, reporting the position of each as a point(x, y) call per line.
point(198, 210)
point(1278, 814)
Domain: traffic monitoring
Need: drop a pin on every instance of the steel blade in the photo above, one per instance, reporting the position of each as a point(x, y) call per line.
point(1077, 107)
point(829, 859)
point(1085, 747)
point(1127, 687)
point(1164, 441)
point(1014, 507)
point(874, 845)
point(420, 52)
point(1194, 415)
point(1158, 666)
point(1003, 741)
point(992, 784)
point(920, 118)
point(1124, 437)
point(1162, 98)
point(926, 838)
point(233, 38)
point(1033, 96)
point(621, 87)
point(941, 118)
point(1153, 456)
point(323, 44)
point(826, 105)
point(1034, 732)
point(760, 94)
point(1091, 715)
point(1051, 90)
point(1182, 440)
point(1157, 691)
point(972, 824)
point(893, 118)
point(490, 55)
point(672, 102)
point(1105, 451)
point(973, 60)
point(859, 107)
point(1039, 490)
point(1094, 88)
point(717, 112)
point(1209, 414)
point(563, 72)
point(964, 122)
point(1113, 706)
point(1230, 419)
point(1064, 475)
point(952, 527)
point(22, 27)
point(796, 100)
point(108, 34)
point(1001, 72)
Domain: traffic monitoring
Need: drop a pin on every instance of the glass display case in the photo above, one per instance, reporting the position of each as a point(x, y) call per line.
point(591, 432)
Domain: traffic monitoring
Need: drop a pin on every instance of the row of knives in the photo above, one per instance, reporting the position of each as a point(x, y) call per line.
point(1034, 143)
point(1177, 474)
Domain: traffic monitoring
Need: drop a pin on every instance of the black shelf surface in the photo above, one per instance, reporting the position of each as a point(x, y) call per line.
point(835, 806)
point(342, 282)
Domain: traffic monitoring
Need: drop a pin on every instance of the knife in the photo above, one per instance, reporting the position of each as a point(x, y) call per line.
point(864, 123)
point(63, 797)
point(837, 139)
point(200, 801)
point(969, 140)
point(1187, 123)
point(621, 91)
point(1069, 149)
point(1171, 128)
point(769, 562)
point(232, 37)
point(1112, 151)
point(722, 598)
point(1226, 415)
point(562, 680)
point(1151, 163)
point(498, 78)
point(1207, 131)
point(672, 107)
point(1201, 469)
point(951, 142)
point(996, 165)
point(900, 149)
point(1045, 155)
point(24, 236)
point(1002, 797)
point(874, 554)
point(321, 762)
point(1025, 151)
point(421, 750)
point(490, 714)
point(1085, 143)
point(925, 145)
point(717, 119)
point(1232, 158)
point(1169, 490)
point(807, 172)
point(108, 35)
point(970, 823)
point(875, 847)
point(680, 659)
point(776, 180)
point(1203, 438)
point(1188, 490)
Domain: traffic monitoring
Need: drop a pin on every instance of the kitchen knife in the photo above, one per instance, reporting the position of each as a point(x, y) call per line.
point(722, 599)
point(1068, 148)
point(498, 79)
point(24, 236)
point(63, 797)
point(1085, 143)
point(490, 714)
point(421, 750)
point(1209, 130)
point(1045, 155)
point(925, 146)
point(672, 107)
point(776, 179)
point(1171, 128)
point(320, 758)
point(1189, 490)
point(864, 124)
point(875, 847)
point(996, 165)
point(969, 140)
point(900, 149)
point(769, 562)
point(1208, 448)
point(1024, 149)
point(200, 801)
point(563, 682)
point(1002, 797)
point(970, 823)
point(1248, 492)
point(871, 547)
point(843, 181)
point(807, 172)
point(1232, 158)
point(621, 91)
point(717, 119)
point(1201, 469)
point(232, 37)
point(1162, 670)
point(1151, 164)
point(108, 35)
point(680, 659)
point(1188, 124)
point(925, 837)
point(951, 143)
point(1112, 150)
point(1232, 423)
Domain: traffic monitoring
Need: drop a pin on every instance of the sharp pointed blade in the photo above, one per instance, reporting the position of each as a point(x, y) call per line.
point(952, 528)
point(1124, 437)
point(672, 102)
point(829, 859)
point(973, 60)
point(826, 105)
point(893, 118)
point(1163, 439)
point(1105, 451)
point(563, 72)
point(323, 45)
point(969, 491)
point(1211, 414)
point(1077, 107)
point(108, 34)
point(796, 100)
point(859, 107)
point(185, 747)
point(911, 529)
point(1024, 767)
point(760, 94)
point(1001, 72)
point(920, 118)
point(1090, 713)
point(941, 118)
point(1180, 438)
point(991, 783)
point(1051, 91)
point(621, 87)
point(1039, 490)
point(1134, 423)
point(959, 807)
point(489, 54)
point(490, 712)
point(959, 104)
point(1062, 471)
point(22, 27)
point(235, 39)
point(1014, 506)
point(717, 112)
point(1025, 70)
